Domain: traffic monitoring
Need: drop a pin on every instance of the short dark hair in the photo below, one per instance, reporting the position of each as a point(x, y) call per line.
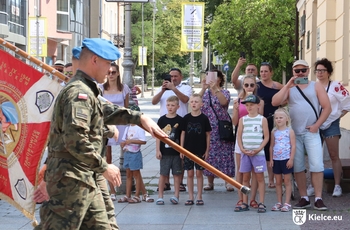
point(69, 64)
point(176, 69)
point(326, 63)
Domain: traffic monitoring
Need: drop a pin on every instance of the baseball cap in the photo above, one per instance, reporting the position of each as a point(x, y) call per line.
point(300, 62)
point(76, 52)
point(252, 99)
point(102, 48)
point(59, 63)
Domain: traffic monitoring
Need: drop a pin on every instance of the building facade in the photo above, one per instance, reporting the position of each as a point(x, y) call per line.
point(324, 31)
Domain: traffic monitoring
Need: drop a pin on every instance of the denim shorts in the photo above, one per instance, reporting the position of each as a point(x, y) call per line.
point(331, 131)
point(133, 161)
point(313, 146)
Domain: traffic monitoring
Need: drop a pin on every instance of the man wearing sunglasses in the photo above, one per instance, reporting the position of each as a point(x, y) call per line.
point(237, 79)
point(306, 119)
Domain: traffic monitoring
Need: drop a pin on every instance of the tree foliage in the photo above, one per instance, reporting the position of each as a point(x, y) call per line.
point(263, 29)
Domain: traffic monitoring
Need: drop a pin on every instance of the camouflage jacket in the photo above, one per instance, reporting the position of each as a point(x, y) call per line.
point(76, 132)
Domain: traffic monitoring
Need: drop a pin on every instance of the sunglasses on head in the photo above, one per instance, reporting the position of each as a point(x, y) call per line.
point(112, 72)
point(298, 70)
point(266, 63)
point(252, 85)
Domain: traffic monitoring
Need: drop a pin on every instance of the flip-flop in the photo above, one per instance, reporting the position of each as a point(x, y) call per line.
point(174, 200)
point(199, 202)
point(160, 201)
point(189, 202)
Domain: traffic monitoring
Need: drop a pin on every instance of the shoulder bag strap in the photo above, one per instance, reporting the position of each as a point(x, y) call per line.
point(308, 101)
point(211, 105)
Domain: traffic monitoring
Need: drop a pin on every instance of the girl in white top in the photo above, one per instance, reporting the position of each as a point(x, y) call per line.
point(330, 129)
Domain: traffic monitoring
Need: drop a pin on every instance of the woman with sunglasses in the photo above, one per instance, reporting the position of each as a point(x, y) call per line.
point(249, 84)
point(117, 93)
point(216, 101)
point(267, 88)
point(330, 129)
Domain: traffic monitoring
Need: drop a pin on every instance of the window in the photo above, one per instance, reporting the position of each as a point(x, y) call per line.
point(63, 19)
point(308, 40)
point(302, 24)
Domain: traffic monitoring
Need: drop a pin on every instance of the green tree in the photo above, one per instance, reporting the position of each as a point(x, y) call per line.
point(263, 29)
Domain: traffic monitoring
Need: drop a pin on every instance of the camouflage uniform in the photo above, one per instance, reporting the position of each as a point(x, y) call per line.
point(74, 159)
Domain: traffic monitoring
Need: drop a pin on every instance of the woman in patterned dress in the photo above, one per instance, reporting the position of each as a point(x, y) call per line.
point(220, 152)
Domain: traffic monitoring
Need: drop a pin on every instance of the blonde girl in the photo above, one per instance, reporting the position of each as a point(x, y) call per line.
point(239, 110)
point(282, 151)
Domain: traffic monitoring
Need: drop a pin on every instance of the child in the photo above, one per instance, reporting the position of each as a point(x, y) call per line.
point(252, 136)
point(171, 123)
point(195, 138)
point(133, 138)
point(239, 110)
point(283, 148)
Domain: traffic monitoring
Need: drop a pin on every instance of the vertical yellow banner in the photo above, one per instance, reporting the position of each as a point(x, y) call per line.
point(142, 55)
point(33, 36)
point(192, 26)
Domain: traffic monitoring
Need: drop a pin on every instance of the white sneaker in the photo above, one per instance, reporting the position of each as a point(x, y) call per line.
point(337, 191)
point(310, 190)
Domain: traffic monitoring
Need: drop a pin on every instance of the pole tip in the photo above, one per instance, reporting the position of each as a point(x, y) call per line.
point(245, 190)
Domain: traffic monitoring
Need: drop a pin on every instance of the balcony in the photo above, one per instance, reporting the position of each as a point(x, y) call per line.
point(3, 18)
point(16, 28)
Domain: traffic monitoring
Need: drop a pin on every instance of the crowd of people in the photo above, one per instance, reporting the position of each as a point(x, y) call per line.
point(271, 137)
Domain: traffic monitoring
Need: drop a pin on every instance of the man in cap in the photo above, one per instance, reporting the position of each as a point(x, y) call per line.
point(76, 131)
point(306, 120)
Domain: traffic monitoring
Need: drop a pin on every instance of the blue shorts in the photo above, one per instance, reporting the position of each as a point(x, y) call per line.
point(133, 161)
point(331, 131)
point(314, 150)
point(280, 167)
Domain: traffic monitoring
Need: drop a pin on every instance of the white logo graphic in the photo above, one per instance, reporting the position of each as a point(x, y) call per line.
point(44, 100)
point(299, 216)
point(21, 188)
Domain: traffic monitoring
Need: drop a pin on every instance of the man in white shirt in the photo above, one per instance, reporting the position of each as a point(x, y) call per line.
point(171, 88)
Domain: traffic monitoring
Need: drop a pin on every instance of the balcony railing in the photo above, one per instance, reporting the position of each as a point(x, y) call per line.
point(16, 28)
point(3, 18)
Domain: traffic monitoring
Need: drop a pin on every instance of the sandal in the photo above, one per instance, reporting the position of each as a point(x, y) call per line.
point(182, 187)
point(189, 202)
point(209, 187)
point(123, 200)
point(261, 208)
point(166, 187)
point(229, 187)
point(160, 201)
point(147, 198)
point(134, 200)
point(199, 202)
point(113, 198)
point(244, 207)
point(174, 200)
point(277, 207)
point(272, 185)
point(286, 207)
point(254, 204)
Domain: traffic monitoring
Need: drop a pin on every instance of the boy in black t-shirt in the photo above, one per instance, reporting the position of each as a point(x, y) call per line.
point(171, 123)
point(195, 137)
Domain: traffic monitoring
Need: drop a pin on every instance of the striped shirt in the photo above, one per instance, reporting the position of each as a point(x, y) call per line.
point(252, 135)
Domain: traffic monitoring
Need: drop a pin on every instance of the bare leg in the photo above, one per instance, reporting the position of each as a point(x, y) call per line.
point(288, 184)
point(190, 175)
point(177, 181)
point(239, 175)
point(254, 186)
point(333, 149)
point(270, 174)
point(128, 182)
point(261, 186)
point(300, 178)
point(279, 187)
point(109, 161)
point(161, 186)
point(138, 179)
point(246, 180)
point(317, 181)
point(199, 175)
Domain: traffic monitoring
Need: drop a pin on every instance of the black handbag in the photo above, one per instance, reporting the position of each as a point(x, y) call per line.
point(225, 127)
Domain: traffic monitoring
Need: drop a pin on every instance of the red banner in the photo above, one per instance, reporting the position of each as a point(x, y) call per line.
point(26, 101)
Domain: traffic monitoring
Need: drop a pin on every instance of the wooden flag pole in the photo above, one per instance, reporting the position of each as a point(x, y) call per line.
point(36, 61)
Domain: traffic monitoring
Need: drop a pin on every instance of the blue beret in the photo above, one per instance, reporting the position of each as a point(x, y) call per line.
point(76, 52)
point(102, 48)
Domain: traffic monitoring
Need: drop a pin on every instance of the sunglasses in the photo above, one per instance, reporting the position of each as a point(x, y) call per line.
point(112, 72)
point(68, 73)
point(298, 70)
point(266, 63)
point(320, 70)
point(252, 85)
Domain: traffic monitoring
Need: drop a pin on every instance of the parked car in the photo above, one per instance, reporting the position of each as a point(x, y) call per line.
point(196, 80)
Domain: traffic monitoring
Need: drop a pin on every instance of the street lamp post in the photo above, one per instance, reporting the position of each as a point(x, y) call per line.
point(153, 37)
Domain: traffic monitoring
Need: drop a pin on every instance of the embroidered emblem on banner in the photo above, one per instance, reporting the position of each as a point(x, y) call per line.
point(21, 188)
point(44, 100)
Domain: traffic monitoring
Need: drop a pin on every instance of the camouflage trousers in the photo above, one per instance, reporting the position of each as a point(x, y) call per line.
point(75, 205)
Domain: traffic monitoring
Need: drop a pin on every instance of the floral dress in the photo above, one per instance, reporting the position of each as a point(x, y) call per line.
point(221, 153)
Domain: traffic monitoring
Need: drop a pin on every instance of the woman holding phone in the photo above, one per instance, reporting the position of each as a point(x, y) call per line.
point(216, 101)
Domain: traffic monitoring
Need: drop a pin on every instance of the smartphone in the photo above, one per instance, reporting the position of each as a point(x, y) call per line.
point(167, 77)
point(301, 80)
point(211, 76)
point(242, 54)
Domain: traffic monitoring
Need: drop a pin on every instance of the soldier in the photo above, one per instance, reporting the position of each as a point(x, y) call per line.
point(74, 159)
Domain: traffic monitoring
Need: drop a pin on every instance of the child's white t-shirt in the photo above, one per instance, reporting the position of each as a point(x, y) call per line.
point(133, 132)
